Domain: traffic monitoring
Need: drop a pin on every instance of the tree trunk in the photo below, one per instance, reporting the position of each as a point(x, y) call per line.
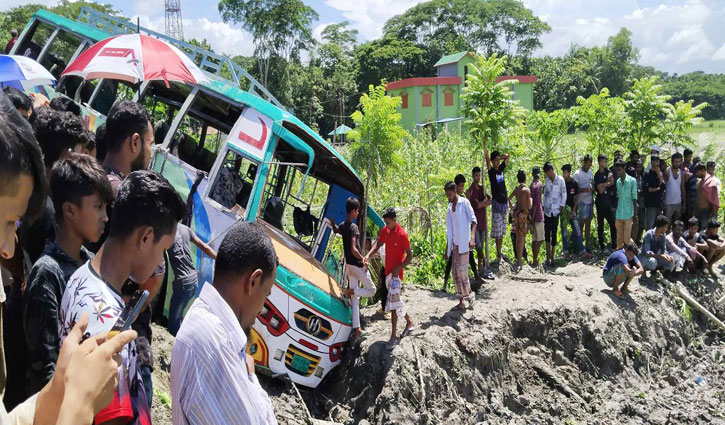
point(484, 175)
point(364, 204)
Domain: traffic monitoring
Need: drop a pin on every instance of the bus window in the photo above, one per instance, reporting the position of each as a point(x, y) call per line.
point(235, 180)
point(196, 142)
point(283, 206)
point(59, 52)
point(34, 41)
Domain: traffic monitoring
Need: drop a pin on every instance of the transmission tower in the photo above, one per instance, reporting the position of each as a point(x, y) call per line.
point(174, 27)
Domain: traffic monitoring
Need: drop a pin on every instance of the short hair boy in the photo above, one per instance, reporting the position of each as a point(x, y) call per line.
point(715, 244)
point(355, 266)
point(145, 214)
point(397, 256)
point(622, 266)
point(80, 194)
point(20, 100)
point(655, 256)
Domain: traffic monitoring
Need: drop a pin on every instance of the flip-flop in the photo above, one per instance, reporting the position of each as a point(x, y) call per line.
point(618, 295)
point(459, 307)
point(407, 331)
point(390, 345)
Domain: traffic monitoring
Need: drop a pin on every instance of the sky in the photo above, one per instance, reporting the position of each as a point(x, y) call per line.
point(677, 36)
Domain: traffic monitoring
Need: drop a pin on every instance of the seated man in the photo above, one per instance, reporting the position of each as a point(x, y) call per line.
point(694, 238)
point(715, 244)
point(654, 255)
point(684, 254)
point(622, 266)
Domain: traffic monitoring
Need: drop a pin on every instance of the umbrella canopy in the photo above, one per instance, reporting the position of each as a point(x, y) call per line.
point(135, 58)
point(343, 129)
point(22, 73)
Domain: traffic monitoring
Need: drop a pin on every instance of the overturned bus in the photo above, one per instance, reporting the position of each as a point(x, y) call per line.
point(236, 155)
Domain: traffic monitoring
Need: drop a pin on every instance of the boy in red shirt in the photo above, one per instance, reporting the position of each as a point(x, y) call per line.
point(397, 256)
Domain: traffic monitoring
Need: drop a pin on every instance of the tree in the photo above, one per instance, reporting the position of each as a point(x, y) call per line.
point(489, 105)
point(679, 118)
point(281, 28)
point(583, 71)
point(377, 138)
point(390, 58)
point(645, 107)
point(604, 121)
point(546, 133)
point(441, 27)
point(17, 17)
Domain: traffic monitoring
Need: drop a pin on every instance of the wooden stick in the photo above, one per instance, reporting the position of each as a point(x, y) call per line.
point(420, 375)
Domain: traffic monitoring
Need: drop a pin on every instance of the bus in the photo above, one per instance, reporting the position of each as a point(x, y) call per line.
point(236, 154)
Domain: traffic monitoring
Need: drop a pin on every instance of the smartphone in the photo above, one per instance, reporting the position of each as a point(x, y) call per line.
point(129, 313)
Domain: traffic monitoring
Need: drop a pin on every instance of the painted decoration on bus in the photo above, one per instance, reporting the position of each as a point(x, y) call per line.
point(251, 133)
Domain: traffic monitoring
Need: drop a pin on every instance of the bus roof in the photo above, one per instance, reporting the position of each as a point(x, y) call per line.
point(226, 89)
point(313, 138)
point(93, 33)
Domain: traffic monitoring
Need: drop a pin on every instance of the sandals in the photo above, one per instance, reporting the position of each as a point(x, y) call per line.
point(407, 331)
point(618, 294)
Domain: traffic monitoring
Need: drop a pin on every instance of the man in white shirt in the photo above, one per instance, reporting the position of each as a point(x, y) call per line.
point(212, 378)
point(554, 201)
point(584, 178)
point(460, 225)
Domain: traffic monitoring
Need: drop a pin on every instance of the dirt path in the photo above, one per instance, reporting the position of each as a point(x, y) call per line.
point(536, 348)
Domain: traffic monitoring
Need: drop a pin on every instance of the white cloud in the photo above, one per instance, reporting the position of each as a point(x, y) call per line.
point(317, 32)
point(369, 16)
point(223, 38)
point(671, 35)
point(719, 55)
point(147, 8)
point(8, 4)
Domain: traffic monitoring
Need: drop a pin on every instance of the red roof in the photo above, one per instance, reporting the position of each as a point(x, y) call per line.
point(429, 81)
point(522, 78)
point(441, 81)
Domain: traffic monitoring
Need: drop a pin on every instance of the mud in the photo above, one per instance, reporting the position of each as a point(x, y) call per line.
point(537, 348)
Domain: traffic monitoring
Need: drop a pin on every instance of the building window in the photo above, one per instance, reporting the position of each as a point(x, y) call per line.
point(404, 98)
point(427, 100)
point(448, 98)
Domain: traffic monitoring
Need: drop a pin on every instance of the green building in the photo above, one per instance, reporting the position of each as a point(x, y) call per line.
point(437, 100)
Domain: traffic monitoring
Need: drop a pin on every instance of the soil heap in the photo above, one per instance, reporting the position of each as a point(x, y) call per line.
point(535, 349)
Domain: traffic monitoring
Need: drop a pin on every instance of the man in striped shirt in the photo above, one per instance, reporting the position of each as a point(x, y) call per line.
point(212, 378)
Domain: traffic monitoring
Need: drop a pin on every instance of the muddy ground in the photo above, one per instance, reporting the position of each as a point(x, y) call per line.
point(537, 348)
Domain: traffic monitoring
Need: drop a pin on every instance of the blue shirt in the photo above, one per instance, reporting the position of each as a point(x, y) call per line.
point(618, 258)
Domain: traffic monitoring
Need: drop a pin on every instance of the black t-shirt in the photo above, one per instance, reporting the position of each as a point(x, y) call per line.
point(34, 234)
point(707, 237)
point(652, 199)
point(572, 190)
point(349, 230)
point(599, 178)
point(498, 184)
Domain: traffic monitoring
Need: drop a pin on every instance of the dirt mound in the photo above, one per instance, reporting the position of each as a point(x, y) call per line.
point(536, 348)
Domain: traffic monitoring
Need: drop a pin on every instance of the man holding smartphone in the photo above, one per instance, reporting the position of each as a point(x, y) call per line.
point(145, 213)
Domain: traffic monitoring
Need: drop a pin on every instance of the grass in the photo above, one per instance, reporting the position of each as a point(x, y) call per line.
point(709, 131)
point(703, 134)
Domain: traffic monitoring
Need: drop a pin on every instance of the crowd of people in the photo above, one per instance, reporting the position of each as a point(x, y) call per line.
point(661, 218)
point(94, 227)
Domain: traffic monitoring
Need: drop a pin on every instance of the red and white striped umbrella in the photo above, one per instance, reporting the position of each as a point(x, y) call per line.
point(134, 58)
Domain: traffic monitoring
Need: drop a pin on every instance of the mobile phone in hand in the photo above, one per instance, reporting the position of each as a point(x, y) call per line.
point(129, 313)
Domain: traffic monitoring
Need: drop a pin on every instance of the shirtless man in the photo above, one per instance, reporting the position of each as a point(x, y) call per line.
point(521, 211)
